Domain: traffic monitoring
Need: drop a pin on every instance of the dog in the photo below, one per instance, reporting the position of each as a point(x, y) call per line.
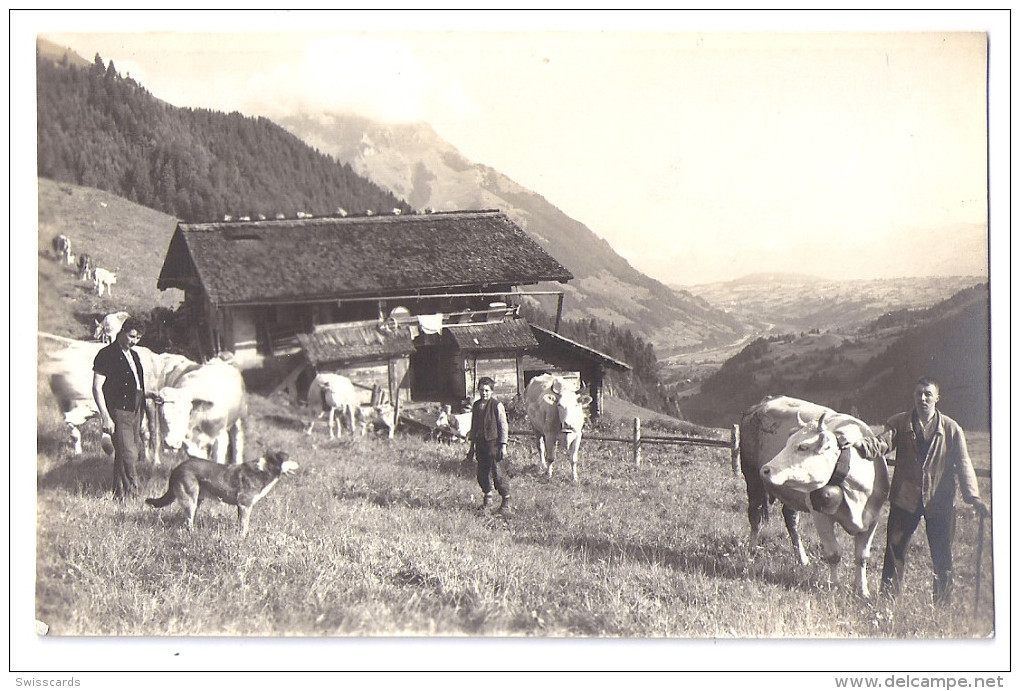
point(238, 485)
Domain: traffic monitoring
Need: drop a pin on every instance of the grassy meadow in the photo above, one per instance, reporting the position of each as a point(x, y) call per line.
point(383, 538)
point(373, 537)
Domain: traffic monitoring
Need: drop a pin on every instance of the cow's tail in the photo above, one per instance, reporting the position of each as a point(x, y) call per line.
point(159, 502)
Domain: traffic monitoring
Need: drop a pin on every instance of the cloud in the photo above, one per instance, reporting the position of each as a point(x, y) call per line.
point(379, 77)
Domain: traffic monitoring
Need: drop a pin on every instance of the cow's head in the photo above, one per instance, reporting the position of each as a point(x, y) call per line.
point(180, 418)
point(74, 419)
point(807, 461)
point(570, 407)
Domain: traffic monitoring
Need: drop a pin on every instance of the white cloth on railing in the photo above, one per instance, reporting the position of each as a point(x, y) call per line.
point(431, 323)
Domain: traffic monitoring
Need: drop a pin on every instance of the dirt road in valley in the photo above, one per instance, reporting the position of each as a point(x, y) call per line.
point(690, 369)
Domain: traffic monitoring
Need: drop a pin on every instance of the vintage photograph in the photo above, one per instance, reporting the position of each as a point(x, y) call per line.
point(621, 327)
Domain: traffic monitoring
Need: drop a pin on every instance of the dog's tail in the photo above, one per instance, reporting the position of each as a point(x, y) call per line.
point(159, 502)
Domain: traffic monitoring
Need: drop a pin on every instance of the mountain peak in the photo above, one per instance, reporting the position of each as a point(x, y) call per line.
point(414, 162)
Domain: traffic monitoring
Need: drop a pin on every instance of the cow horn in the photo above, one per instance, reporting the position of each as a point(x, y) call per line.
point(800, 420)
point(821, 422)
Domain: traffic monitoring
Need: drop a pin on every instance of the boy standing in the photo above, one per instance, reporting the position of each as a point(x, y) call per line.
point(488, 436)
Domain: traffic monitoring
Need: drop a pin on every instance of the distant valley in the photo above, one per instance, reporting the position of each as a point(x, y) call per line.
point(792, 302)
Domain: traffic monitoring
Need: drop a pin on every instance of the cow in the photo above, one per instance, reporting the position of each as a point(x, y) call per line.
point(85, 267)
point(807, 476)
point(203, 410)
point(332, 393)
point(764, 430)
point(556, 413)
point(108, 329)
point(103, 279)
point(160, 369)
point(69, 372)
point(70, 376)
point(62, 248)
point(450, 426)
point(376, 417)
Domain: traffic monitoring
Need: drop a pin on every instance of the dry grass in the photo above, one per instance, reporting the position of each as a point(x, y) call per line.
point(376, 537)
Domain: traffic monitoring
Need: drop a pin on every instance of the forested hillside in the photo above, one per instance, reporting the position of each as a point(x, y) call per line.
point(99, 129)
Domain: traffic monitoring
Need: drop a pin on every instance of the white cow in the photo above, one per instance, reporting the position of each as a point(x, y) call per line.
point(805, 476)
point(160, 369)
point(450, 426)
point(103, 279)
point(381, 416)
point(70, 375)
point(203, 410)
point(332, 393)
point(108, 329)
point(69, 371)
point(556, 413)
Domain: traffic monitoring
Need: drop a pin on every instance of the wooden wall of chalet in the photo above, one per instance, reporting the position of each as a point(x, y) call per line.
point(504, 368)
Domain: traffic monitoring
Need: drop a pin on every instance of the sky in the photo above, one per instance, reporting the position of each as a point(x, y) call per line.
point(699, 146)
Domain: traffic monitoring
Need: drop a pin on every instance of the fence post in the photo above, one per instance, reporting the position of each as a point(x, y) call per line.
point(637, 441)
point(735, 450)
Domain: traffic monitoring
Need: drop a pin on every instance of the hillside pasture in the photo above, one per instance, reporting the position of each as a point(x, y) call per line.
point(383, 538)
point(125, 238)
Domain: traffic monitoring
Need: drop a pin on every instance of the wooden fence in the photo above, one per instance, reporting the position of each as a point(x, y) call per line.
point(637, 440)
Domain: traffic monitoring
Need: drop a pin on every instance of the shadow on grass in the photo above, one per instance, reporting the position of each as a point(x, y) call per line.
point(289, 423)
point(90, 474)
point(727, 560)
point(392, 497)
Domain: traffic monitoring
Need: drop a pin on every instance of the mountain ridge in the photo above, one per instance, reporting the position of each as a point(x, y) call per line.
point(413, 161)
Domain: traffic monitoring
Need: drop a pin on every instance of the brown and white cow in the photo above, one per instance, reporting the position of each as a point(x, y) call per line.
point(203, 410)
point(382, 416)
point(804, 475)
point(85, 267)
point(333, 394)
point(556, 413)
point(764, 430)
point(62, 249)
point(450, 426)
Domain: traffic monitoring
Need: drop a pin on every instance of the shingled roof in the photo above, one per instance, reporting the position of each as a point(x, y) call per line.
point(551, 340)
point(354, 342)
point(295, 260)
point(512, 334)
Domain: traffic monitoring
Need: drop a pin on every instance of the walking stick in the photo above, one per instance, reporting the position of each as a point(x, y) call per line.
point(981, 544)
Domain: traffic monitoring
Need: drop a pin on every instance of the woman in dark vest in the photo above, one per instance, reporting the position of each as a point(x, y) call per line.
point(488, 436)
point(118, 386)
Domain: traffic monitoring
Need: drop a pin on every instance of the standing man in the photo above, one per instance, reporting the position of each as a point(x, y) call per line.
point(118, 386)
point(931, 458)
point(488, 436)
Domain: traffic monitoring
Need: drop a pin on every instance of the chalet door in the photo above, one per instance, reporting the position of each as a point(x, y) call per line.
point(425, 374)
point(437, 374)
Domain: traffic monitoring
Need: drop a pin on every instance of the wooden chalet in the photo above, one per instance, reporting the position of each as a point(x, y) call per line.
point(420, 306)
